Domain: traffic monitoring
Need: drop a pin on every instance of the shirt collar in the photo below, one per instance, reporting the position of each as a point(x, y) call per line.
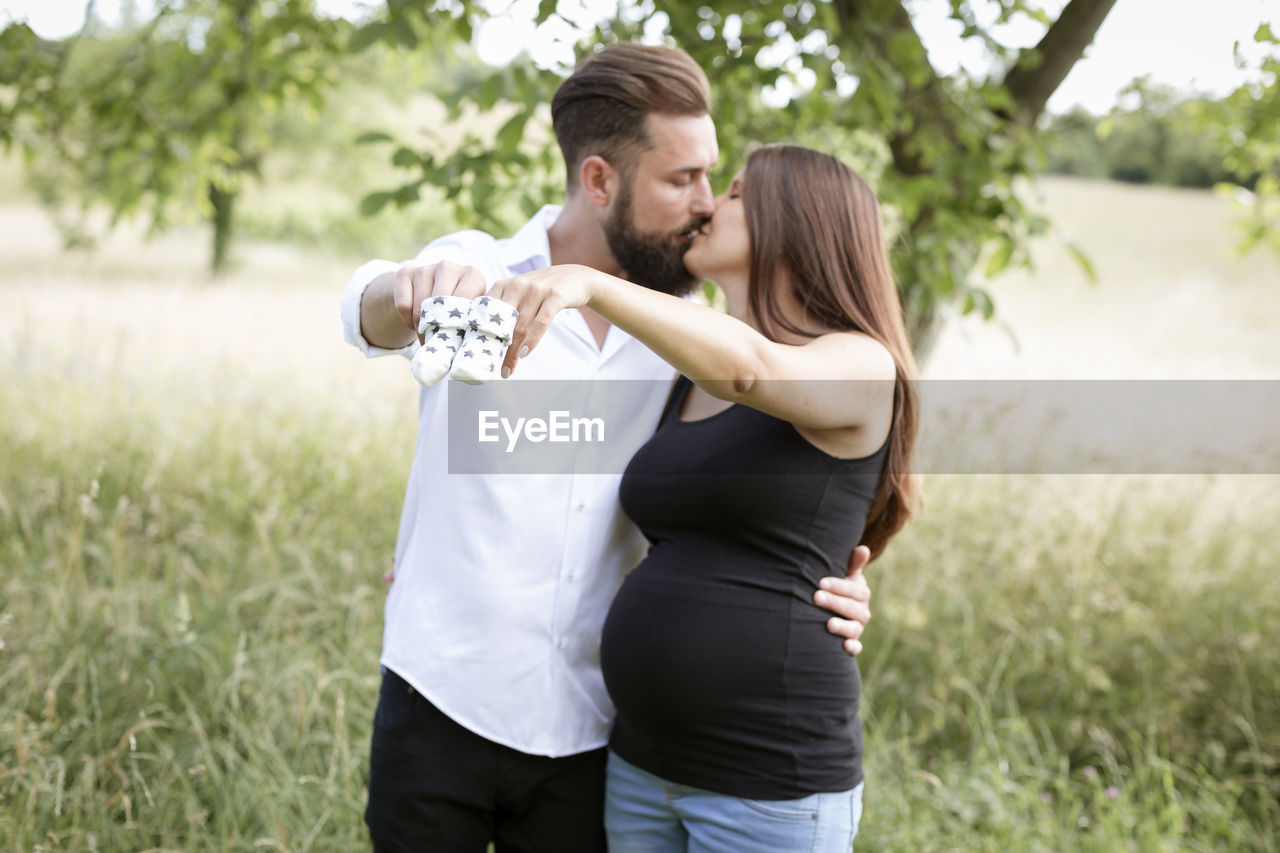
point(529, 249)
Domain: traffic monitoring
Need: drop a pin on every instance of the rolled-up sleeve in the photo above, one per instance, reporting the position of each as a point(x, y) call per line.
point(351, 296)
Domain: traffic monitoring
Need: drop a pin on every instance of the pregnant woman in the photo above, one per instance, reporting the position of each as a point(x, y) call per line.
point(785, 444)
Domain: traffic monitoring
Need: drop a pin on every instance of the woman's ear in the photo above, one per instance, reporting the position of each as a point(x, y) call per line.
point(598, 180)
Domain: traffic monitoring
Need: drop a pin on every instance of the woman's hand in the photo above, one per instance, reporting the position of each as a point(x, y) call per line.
point(539, 296)
point(849, 598)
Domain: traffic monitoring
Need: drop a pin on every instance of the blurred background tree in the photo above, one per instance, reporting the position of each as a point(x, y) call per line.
point(1159, 135)
point(167, 116)
point(1248, 125)
point(170, 115)
point(945, 152)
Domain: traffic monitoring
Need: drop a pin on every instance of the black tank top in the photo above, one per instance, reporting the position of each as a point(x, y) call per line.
point(717, 659)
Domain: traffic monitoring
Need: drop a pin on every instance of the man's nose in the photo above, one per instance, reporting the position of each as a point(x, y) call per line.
point(704, 201)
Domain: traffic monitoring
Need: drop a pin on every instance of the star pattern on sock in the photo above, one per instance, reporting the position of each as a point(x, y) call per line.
point(463, 339)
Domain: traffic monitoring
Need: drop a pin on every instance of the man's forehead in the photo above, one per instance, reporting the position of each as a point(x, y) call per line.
point(682, 143)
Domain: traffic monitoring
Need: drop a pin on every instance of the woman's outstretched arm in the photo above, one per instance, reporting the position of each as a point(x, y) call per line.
point(834, 381)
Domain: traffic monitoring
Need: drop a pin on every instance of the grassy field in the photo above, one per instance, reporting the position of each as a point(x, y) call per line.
point(201, 483)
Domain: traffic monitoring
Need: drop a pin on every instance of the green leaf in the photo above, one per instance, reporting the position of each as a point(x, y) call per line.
point(406, 35)
point(512, 131)
point(462, 26)
point(490, 91)
point(546, 8)
point(372, 136)
point(1000, 259)
point(482, 191)
point(373, 202)
point(713, 296)
point(977, 299)
point(904, 51)
point(529, 205)
point(405, 157)
point(367, 35)
point(1081, 258)
point(406, 195)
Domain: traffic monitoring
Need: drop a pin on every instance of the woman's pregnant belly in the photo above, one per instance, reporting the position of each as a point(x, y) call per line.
point(723, 665)
point(675, 656)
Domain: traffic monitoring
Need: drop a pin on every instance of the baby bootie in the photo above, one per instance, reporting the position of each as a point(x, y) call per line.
point(489, 329)
point(442, 325)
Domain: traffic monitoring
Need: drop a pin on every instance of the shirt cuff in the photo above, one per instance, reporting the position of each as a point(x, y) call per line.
point(351, 296)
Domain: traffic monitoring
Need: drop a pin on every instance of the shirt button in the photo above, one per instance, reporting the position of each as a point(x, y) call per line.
point(561, 643)
point(581, 507)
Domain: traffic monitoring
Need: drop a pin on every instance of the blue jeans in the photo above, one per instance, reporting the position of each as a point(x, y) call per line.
point(646, 814)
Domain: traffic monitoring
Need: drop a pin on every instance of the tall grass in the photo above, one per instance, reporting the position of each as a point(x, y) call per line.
point(1078, 663)
point(199, 492)
point(191, 614)
point(190, 621)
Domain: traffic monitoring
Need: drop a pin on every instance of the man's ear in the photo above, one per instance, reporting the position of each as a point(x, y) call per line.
point(598, 180)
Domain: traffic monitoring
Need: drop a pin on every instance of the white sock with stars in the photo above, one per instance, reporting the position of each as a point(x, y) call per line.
point(442, 325)
point(489, 329)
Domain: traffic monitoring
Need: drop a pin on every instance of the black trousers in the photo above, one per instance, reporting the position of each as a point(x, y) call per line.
point(436, 786)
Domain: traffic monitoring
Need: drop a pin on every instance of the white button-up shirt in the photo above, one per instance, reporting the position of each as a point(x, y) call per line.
point(503, 580)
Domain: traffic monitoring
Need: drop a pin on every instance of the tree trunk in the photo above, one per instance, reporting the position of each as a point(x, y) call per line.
point(878, 27)
point(224, 200)
point(223, 211)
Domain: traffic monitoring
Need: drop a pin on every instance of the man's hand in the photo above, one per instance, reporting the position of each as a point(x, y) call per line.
point(393, 300)
point(415, 284)
point(849, 598)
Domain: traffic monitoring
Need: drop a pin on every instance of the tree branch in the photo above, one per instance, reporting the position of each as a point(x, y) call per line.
point(1041, 69)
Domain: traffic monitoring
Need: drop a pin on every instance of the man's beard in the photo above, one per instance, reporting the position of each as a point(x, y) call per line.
point(651, 259)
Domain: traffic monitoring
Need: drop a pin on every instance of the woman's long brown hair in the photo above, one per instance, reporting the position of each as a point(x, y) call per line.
point(813, 218)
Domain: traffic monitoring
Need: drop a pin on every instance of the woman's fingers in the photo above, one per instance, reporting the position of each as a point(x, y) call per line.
point(850, 630)
point(538, 302)
point(843, 598)
point(849, 598)
point(536, 315)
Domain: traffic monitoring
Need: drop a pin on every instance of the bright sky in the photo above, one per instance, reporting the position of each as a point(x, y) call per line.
point(1172, 42)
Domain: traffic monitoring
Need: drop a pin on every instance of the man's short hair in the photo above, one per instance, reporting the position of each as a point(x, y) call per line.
point(603, 107)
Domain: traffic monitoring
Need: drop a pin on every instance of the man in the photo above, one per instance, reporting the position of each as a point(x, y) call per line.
point(493, 715)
